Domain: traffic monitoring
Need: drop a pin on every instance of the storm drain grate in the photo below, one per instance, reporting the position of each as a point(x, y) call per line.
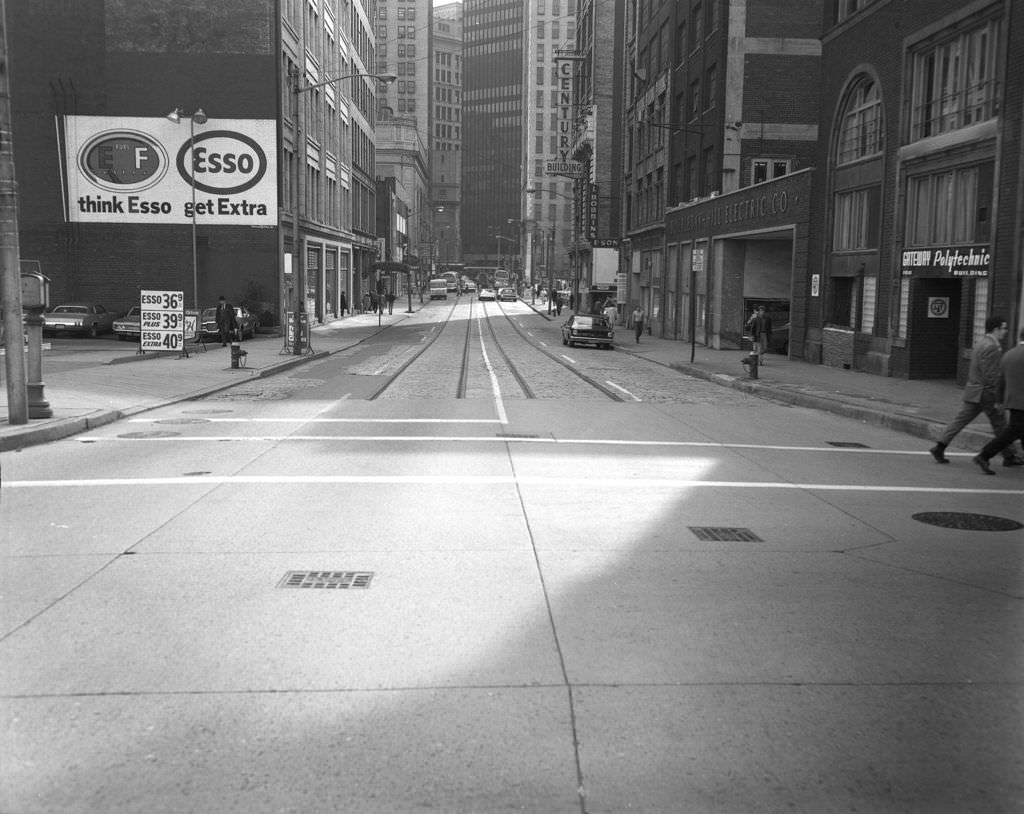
point(848, 444)
point(967, 521)
point(326, 579)
point(725, 534)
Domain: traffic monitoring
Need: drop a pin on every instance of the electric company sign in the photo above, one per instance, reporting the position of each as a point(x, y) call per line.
point(143, 170)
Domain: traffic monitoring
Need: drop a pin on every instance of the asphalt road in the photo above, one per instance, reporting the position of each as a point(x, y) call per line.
point(590, 584)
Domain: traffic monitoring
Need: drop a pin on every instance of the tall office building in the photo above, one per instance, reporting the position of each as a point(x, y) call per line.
point(492, 108)
point(547, 214)
point(446, 132)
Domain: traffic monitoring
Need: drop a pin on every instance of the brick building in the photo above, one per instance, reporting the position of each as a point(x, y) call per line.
point(91, 86)
point(916, 234)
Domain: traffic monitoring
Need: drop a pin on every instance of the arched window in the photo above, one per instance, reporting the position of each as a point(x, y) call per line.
point(860, 135)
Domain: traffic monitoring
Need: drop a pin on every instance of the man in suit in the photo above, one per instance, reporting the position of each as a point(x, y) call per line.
point(980, 392)
point(1009, 394)
point(226, 322)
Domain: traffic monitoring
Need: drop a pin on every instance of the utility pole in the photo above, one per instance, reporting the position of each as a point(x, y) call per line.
point(10, 270)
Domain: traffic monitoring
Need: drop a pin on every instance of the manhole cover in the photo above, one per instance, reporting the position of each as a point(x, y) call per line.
point(150, 434)
point(725, 534)
point(182, 421)
point(326, 579)
point(967, 521)
point(848, 444)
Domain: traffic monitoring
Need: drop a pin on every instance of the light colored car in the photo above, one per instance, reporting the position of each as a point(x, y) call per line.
point(130, 325)
point(507, 295)
point(87, 319)
point(486, 294)
point(247, 323)
point(587, 329)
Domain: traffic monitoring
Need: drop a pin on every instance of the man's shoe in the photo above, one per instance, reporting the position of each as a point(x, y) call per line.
point(983, 465)
point(937, 454)
point(1013, 460)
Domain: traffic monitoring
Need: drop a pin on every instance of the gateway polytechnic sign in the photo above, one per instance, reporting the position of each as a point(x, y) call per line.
point(952, 261)
point(146, 170)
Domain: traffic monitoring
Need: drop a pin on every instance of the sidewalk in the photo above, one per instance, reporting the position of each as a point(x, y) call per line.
point(89, 390)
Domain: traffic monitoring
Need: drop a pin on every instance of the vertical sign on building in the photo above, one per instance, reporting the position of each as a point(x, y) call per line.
point(162, 320)
point(562, 164)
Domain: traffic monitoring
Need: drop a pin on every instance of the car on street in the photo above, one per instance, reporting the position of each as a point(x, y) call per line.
point(486, 294)
point(130, 325)
point(247, 323)
point(587, 329)
point(507, 295)
point(469, 286)
point(85, 318)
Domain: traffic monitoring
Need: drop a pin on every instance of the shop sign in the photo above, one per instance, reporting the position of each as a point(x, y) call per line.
point(129, 169)
point(948, 261)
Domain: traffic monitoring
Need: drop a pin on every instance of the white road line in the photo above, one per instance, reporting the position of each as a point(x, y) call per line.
point(541, 439)
point(567, 358)
point(481, 480)
point(620, 389)
point(314, 420)
point(495, 388)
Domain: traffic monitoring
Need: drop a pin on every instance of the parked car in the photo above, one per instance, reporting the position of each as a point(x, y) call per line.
point(247, 323)
point(507, 295)
point(486, 294)
point(587, 329)
point(130, 325)
point(87, 319)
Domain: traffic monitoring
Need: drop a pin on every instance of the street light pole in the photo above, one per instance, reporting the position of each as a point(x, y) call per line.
point(298, 186)
point(198, 116)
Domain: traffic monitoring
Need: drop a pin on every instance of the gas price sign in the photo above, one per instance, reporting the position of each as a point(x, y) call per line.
point(162, 320)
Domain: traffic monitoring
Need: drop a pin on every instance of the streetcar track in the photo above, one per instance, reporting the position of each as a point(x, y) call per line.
point(436, 334)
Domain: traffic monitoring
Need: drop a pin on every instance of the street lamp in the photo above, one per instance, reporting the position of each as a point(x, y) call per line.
point(198, 116)
point(574, 258)
point(298, 186)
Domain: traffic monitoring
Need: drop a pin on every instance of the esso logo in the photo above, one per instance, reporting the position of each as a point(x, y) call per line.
point(222, 162)
point(123, 161)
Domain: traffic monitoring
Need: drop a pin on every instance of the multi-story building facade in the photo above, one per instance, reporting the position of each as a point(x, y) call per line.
point(917, 224)
point(336, 235)
point(492, 122)
point(446, 133)
point(720, 134)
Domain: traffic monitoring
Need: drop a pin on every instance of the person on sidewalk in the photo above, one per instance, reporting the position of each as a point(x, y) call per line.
point(1009, 394)
point(391, 301)
point(638, 322)
point(611, 312)
point(980, 393)
point(226, 322)
point(760, 325)
point(342, 303)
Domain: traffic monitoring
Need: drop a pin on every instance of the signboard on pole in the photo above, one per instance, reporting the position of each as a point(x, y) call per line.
point(162, 320)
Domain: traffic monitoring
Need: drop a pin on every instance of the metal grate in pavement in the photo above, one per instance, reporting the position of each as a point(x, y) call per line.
point(326, 579)
point(848, 444)
point(725, 534)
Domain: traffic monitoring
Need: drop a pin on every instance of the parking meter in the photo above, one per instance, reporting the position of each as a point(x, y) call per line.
point(35, 291)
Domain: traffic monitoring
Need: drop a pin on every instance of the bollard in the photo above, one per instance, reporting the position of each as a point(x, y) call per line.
point(237, 355)
point(751, 361)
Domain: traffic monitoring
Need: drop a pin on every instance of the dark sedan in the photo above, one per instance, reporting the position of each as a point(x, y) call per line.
point(247, 323)
point(587, 329)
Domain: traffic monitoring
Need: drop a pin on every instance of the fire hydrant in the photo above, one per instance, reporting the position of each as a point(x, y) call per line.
point(237, 355)
point(751, 361)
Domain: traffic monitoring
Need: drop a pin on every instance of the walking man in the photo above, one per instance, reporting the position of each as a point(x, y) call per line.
point(1010, 394)
point(391, 301)
point(980, 393)
point(638, 322)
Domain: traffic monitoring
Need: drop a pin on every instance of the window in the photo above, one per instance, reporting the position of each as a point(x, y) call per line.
point(955, 82)
point(860, 133)
point(948, 207)
point(694, 99)
point(710, 172)
point(856, 220)
point(765, 169)
point(681, 43)
point(697, 25)
point(710, 87)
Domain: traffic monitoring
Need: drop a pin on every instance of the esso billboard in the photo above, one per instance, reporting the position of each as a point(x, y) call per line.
point(143, 170)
